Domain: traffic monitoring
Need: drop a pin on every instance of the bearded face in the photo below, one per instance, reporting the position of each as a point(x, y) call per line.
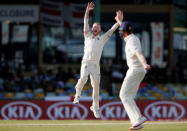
point(96, 28)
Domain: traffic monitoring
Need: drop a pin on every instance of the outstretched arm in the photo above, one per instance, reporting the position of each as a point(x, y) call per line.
point(142, 59)
point(86, 17)
point(118, 18)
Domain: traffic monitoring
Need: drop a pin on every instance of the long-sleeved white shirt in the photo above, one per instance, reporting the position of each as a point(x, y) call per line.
point(132, 45)
point(94, 46)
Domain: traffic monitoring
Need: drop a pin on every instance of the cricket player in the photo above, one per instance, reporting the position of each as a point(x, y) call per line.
point(93, 46)
point(137, 68)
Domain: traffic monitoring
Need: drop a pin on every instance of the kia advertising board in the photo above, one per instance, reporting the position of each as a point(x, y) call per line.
point(21, 110)
point(113, 110)
point(67, 110)
point(164, 110)
point(109, 110)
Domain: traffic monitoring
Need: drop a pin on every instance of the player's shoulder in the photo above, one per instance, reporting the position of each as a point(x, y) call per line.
point(102, 34)
point(132, 38)
point(135, 38)
point(87, 35)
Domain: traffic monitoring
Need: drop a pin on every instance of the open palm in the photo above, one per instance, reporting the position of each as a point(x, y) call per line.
point(90, 6)
point(119, 15)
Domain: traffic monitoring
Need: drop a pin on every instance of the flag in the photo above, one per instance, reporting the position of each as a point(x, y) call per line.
point(157, 43)
point(50, 13)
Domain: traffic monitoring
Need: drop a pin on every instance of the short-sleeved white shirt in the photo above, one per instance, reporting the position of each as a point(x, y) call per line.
point(132, 45)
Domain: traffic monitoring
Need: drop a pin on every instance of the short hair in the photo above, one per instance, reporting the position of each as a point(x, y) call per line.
point(97, 23)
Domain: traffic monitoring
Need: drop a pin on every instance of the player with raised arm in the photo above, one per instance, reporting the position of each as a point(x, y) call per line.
point(93, 47)
point(137, 69)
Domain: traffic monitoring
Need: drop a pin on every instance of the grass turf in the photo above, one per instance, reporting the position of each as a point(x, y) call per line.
point(87, 125)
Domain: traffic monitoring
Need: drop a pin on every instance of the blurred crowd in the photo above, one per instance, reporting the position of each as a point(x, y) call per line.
point(37, 84)
point(159, 83)
point(162, 91)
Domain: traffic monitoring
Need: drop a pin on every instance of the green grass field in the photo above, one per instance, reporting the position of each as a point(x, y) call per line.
point(87, 125)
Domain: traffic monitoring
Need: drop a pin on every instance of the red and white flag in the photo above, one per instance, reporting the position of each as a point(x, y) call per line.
point(73, 14)
point(50, 13)
point(66, 13)
point(62, 14)
point(157, 43)
point(78, 11)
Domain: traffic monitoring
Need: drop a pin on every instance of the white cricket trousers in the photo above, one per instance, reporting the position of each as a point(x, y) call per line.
point(128, 92)
point(93, 69)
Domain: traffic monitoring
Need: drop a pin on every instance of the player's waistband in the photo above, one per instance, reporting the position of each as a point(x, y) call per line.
point(90, 61)
point(136, 67)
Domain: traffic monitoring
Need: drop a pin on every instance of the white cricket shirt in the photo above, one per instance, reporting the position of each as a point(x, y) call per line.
point(132, 45)
point(94, 46)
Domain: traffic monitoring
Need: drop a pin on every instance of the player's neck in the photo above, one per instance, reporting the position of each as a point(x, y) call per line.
point(126, 35)
point(94, 35)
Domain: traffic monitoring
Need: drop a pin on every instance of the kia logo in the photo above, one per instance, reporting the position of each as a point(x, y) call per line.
point(67, 110)
point(113, 110)
point(21, 110)
point(164, 110)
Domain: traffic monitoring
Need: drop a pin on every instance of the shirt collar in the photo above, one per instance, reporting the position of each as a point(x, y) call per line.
point(128, 37)
point(97, 37)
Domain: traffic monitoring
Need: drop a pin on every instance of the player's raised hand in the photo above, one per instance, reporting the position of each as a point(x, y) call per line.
point(119, 16)
point(90, 6)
